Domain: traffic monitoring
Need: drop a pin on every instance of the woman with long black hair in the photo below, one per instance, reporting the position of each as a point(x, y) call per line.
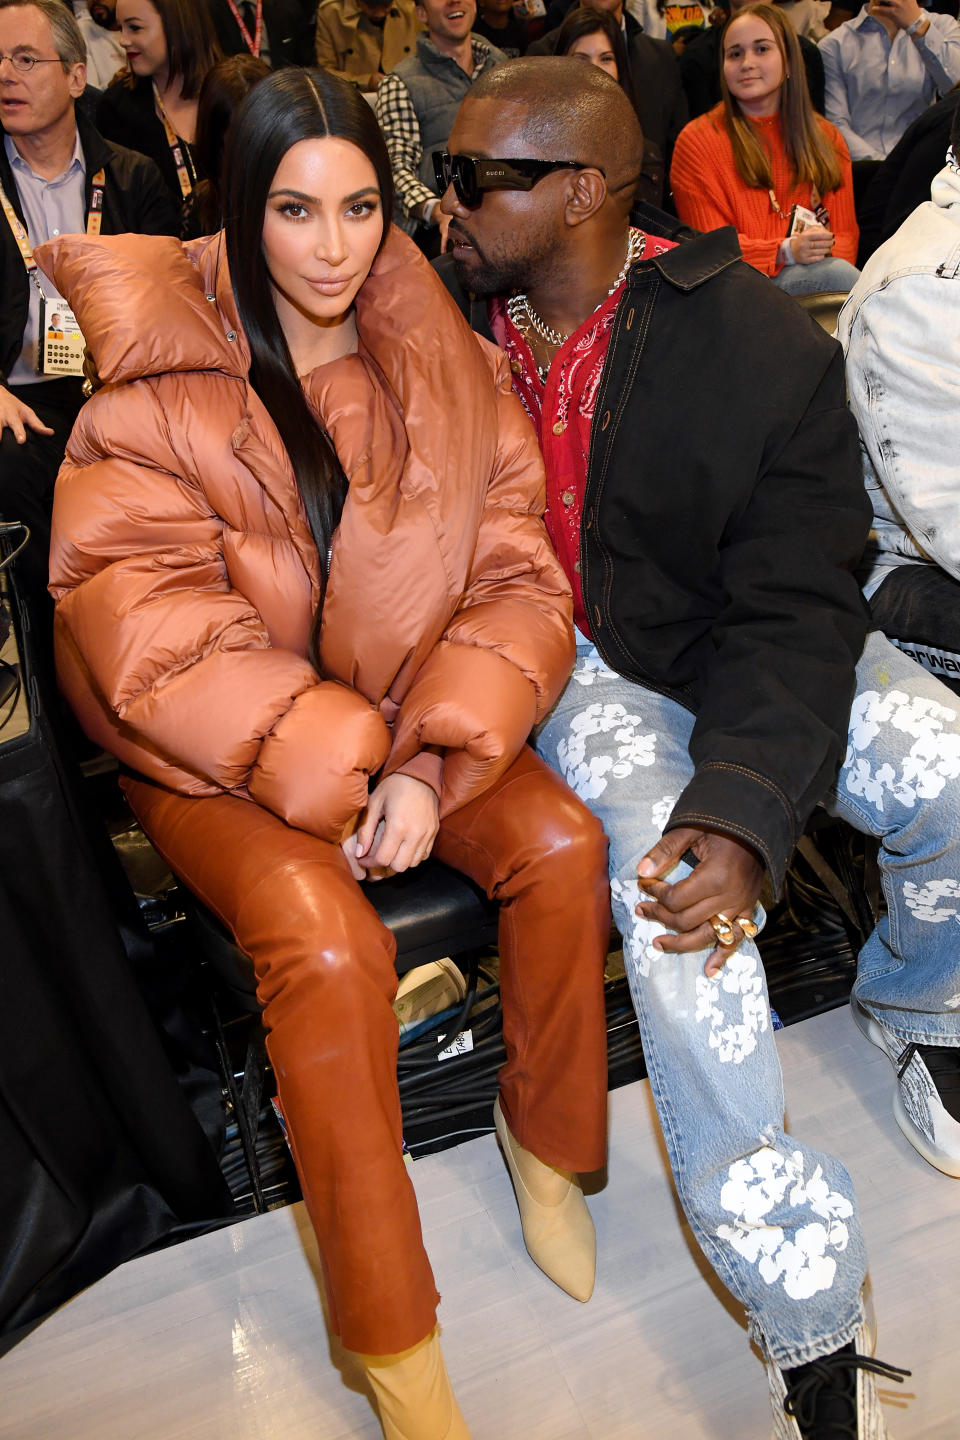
point(306, 596)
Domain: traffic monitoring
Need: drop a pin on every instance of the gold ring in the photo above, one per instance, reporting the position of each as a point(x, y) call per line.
point(723, 929)
point(747, 926)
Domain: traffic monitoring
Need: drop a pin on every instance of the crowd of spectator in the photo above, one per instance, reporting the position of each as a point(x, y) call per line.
point(881, 78)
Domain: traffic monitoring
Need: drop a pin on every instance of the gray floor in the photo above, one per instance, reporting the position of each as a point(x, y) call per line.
point(223, 1336)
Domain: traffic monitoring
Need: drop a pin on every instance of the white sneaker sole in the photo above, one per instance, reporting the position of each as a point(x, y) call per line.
point(940, 1160)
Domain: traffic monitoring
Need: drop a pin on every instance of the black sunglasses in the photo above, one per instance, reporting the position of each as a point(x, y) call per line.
point(471, 176)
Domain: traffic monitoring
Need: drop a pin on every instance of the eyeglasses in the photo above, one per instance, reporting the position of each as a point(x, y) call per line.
point(471, 176)
point(23, 64)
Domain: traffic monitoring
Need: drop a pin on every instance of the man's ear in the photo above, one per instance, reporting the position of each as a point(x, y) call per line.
point(586, 195)
point(77, 79)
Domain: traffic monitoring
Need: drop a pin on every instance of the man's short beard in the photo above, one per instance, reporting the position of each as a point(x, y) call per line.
point(486, 276)
point(485, 280)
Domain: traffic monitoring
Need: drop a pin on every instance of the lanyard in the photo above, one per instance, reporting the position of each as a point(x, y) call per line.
point(816, 205)
point(179, 151)
point(252, 42)
point(94, 219)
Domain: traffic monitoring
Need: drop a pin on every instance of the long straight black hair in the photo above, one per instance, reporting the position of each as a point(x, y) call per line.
point(283, 109)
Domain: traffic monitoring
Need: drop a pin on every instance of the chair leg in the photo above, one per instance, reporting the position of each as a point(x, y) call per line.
point(245, 1098)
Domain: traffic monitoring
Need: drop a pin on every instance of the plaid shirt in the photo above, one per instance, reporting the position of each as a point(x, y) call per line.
point(401, 130)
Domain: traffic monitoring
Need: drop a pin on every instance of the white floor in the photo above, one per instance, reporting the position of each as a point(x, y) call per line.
point(223, 1336)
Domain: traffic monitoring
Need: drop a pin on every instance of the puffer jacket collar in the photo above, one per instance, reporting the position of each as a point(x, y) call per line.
point(153, 308)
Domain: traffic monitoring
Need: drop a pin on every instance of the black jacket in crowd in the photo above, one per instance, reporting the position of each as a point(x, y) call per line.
point(723, 515)
point(290, 26)
point(134, 198)
point(903, 181)
point(127, 115)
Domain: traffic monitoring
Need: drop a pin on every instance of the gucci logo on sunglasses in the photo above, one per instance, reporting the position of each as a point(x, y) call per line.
point(472, 176)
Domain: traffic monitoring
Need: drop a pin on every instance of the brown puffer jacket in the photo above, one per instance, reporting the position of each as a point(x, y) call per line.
point(186, 575)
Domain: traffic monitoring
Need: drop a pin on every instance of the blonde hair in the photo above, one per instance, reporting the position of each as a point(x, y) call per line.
point(811, 154)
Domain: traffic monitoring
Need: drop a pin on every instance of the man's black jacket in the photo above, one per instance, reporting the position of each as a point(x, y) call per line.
point(723, 515)
point(134, 198)
point(290, 26)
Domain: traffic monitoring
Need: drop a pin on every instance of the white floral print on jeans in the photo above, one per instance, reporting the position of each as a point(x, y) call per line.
point(804, 1263)
point(922, 900)
point(740, 976)
point(924, 767)
point(629, 748)
point(638, 934)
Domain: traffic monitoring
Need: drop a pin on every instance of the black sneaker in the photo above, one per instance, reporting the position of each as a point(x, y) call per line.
point(832, 1398)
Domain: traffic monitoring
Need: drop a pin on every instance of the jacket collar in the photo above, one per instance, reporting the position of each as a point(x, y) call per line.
point(349, 12)
point(98, 152)
point(865, 18)
point(688, 265)
point(945, 188)
point(427, 51)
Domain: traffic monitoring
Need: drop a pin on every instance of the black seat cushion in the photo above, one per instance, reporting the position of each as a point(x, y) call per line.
point(432, 910)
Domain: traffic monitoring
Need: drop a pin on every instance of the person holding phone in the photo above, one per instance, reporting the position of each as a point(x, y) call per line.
point(766, 163)
point(883, 68)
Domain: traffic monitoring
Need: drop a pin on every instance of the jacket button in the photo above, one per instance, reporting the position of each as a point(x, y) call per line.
point(516, 367)
point(231, 334)
point(568, 497)
point(576, 567)
point(559, 428)
point(209, 297)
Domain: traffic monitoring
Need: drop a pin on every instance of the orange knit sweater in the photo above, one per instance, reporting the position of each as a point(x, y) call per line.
point(709, 192)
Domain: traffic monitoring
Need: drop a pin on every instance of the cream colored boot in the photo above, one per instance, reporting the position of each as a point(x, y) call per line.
point(557, 1229)
point(413, 1393)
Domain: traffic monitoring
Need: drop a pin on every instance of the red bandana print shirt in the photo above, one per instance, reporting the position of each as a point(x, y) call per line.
point(562, 413)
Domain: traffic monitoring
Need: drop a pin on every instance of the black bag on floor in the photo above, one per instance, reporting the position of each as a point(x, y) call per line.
point(101, 1156)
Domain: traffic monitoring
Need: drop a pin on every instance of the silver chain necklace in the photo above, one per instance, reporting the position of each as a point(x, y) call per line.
point(519, 307)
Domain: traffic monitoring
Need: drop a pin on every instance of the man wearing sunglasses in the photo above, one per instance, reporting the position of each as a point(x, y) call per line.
point(705, 498)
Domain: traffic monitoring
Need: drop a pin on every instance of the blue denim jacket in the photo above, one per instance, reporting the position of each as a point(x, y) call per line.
point(900, 330)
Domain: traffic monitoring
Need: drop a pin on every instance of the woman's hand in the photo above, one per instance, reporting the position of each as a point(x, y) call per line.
point(727, 882)
point(814, 243)
point(396, 830)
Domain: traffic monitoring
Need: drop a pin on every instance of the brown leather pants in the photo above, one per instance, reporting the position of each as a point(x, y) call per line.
point(324, 966)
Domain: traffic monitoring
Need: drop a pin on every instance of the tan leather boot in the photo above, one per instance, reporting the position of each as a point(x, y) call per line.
point(413, 1393)
point(557, 1229)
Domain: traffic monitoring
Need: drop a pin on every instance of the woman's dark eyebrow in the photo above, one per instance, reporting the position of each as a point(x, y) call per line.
point(314, 200)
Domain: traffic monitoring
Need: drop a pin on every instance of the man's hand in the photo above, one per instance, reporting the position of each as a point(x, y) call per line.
point(397, 829)
point(814, 243)
point(19, 417)
point(903, 13)
point(726, 882)
point(443, 224)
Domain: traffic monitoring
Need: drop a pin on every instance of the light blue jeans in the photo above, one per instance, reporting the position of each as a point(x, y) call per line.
point(776, 1219)
point(823, 275)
